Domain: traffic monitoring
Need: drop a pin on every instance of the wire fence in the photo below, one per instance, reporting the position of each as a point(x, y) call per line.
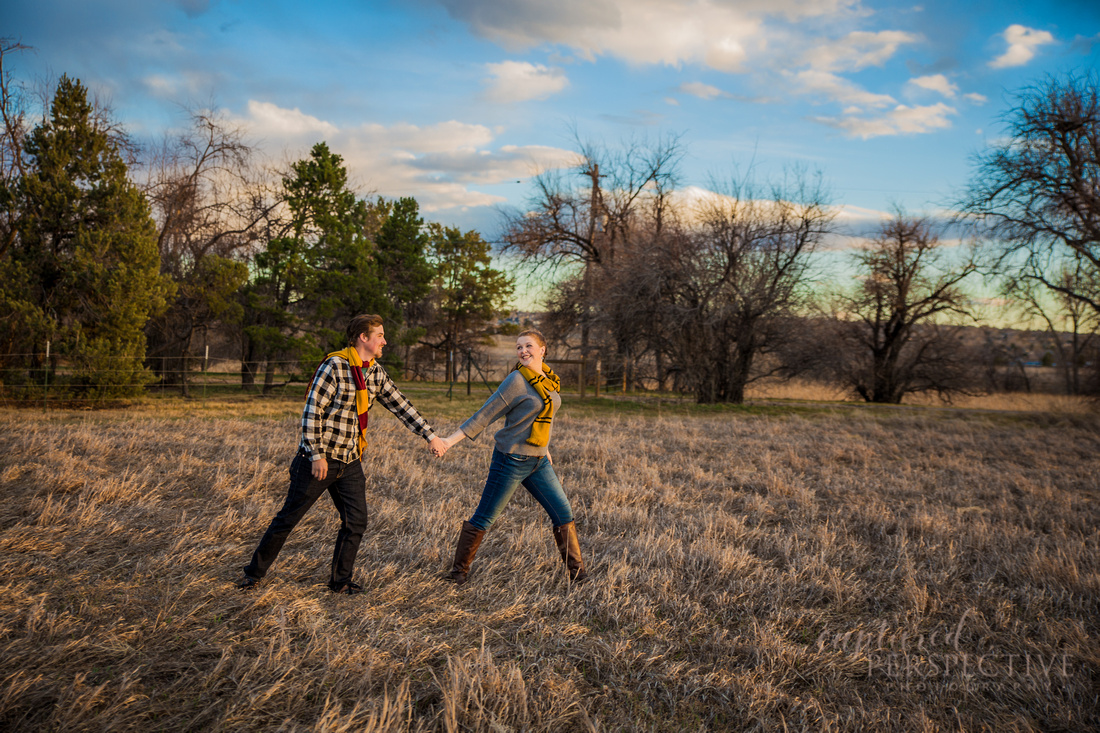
point(64, 380)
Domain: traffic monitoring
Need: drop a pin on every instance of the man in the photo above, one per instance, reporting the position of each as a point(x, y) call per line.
point(334, 424)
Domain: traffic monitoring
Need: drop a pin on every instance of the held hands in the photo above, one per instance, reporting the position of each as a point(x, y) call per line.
point(438, 446)
point(444, 444)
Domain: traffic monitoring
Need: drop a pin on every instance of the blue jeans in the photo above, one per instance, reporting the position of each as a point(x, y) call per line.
point(506, 472)
point(347, 486)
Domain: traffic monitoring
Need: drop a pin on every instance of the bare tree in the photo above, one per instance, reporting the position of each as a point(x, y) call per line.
point(13, 109)
point(1036, 194)
point(628, 302)
point(586, 224)
point(211, 206)
point(1071, 324)
point(721, 289)
point(890, 331)
point(626, 193)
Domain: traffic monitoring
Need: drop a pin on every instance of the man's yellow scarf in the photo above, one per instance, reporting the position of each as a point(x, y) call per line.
point(544, 384)
point(362, 397)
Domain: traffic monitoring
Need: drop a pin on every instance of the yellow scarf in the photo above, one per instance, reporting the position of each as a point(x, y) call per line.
point(544, 384)
point(362, 396)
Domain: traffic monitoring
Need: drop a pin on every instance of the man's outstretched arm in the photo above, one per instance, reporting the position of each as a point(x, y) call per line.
point(391, 398)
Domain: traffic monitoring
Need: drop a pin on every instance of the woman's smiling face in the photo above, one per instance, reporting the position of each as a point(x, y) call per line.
point(529, 351)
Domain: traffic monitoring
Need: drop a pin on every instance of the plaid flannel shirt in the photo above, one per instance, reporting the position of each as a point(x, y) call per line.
point(330, 423)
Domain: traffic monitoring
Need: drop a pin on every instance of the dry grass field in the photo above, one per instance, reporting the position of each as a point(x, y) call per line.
point(770, 568)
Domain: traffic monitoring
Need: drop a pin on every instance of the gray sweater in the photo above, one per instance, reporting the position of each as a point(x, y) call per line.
point(520, 404)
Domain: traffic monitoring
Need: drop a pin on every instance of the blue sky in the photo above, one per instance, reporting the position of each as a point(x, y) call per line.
point(456, 102)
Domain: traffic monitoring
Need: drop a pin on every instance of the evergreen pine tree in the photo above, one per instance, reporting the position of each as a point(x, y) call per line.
point(311, 281)
point(402, 245)
point(84, 271)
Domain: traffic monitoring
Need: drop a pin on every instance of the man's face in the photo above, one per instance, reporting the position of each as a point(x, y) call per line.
point(373, 342)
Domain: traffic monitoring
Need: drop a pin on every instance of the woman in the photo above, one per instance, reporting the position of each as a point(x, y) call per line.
point(527, 399)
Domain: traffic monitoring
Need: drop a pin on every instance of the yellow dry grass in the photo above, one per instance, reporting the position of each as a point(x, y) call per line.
point(808, 391)
point(783, 568)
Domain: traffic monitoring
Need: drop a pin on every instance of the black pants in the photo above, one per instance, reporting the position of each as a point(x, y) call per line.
point(348, 488)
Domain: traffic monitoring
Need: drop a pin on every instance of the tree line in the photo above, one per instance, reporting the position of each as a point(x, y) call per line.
point(124, 275)
point(125, 260)
point(710, 294)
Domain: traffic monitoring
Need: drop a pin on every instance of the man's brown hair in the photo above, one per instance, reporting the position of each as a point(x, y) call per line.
point(362, 324)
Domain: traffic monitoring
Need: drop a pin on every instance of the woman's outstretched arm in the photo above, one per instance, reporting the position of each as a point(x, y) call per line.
point(453, 438)
point(441, 450)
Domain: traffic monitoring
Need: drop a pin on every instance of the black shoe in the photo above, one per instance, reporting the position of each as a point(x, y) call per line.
point(248, 582)
point(348, 589)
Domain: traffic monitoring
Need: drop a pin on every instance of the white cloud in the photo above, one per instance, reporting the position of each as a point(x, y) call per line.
point(180, 84)
point(438, 164)
point(673, 101)
point(160, 86)
point(519, 81)
point(853, 217)
point(1022, 43)
point(509, 162)
point(976, 98)
point(713, 33)
point(857, 50)
point(626, 27)
point(271, 121)
point(731, 36)
point(441, 137)
point(853, 222)
point(936, 83)
point(701, 90)
point(837, 89)
point(719, 34)
point(902, 120)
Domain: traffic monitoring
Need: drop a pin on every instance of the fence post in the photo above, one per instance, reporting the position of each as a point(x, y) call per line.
point(598, 379)
point(584, 360)
point(46, 378)
point(205, 362)
point(469, 359)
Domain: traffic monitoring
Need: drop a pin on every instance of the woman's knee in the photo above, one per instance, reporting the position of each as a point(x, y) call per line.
point(560, 514)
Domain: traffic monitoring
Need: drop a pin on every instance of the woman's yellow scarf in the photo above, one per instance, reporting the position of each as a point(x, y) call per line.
point(544, 384)
point(362, 397)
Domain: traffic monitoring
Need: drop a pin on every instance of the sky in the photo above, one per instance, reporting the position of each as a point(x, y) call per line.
point(460, 102)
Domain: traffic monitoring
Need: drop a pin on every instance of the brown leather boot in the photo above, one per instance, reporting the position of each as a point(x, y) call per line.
point(570, 548)
point(469, 539)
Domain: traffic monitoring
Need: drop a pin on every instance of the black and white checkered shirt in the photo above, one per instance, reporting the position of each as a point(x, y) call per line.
point(330, 423)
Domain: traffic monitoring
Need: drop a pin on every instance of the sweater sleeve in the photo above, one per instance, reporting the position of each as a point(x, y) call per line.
point(494, 407)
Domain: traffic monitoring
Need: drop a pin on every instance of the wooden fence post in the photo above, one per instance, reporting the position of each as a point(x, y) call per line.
point(584, 360)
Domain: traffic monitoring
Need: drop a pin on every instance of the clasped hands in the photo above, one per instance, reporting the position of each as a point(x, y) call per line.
point(439, 446)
